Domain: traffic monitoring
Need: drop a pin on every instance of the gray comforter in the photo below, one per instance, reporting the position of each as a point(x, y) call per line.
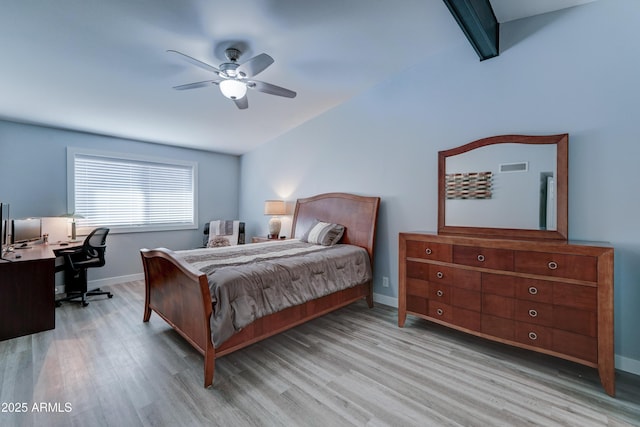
point(251, 281)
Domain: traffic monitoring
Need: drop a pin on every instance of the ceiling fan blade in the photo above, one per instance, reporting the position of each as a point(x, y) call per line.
point(255, 65)
point(197, 84)
point(242, 103)
point(270, 89)
point(195, 62)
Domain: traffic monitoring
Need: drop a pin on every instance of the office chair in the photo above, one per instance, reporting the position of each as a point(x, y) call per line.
point(77, 261)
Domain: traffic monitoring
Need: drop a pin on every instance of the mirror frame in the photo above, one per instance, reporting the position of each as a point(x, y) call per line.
point(562, 185)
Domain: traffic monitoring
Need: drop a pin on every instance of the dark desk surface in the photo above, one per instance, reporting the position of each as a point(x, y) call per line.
point(37, 251)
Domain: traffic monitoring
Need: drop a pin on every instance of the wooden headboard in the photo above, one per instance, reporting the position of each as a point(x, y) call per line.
point(359, 215)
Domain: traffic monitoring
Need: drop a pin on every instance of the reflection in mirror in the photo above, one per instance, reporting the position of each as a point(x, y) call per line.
point(520, 192)
point(505, 186)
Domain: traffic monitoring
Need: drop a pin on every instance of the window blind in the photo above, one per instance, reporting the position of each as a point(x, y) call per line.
point(127, 193)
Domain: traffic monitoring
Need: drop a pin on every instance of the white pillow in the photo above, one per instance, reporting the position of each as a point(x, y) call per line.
point(323, 233)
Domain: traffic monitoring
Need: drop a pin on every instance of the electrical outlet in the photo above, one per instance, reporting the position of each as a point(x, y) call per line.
point(385, 282)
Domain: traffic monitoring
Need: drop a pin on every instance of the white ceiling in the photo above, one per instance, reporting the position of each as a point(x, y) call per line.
point(510, 10)
point(101, 66)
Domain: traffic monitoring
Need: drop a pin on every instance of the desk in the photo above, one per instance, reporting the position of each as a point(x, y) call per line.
point(27, 291)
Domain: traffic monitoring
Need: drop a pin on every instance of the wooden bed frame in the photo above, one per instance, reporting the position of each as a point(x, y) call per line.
point(180, 295)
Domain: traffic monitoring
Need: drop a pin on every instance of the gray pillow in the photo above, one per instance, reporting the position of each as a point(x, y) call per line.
point(323, 233)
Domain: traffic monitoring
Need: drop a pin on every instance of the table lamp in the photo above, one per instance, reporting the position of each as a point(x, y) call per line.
point(274, 208)
point(73, 217)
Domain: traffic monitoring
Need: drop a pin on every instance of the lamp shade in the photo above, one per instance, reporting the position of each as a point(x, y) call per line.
point(233, 89)
point(274, 207)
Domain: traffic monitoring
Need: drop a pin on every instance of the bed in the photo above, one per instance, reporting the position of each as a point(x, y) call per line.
point(190, 301)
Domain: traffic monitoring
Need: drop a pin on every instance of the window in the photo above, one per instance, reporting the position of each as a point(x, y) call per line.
point(128, 193)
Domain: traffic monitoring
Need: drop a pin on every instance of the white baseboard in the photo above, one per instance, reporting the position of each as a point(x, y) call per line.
point(628, 365)
point(622, 363)
point(386, 300)
point(94, 284)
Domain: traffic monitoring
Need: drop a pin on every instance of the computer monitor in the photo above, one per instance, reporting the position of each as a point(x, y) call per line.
point(4, 220)
point(26, 230)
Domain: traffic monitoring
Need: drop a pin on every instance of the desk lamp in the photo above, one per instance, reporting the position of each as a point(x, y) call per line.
point(73, 216)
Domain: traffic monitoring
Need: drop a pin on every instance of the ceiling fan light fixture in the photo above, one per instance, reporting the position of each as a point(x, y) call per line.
point(233, 89)
point(235, 79)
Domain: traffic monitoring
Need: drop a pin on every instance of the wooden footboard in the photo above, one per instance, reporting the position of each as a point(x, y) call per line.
point(180, 295)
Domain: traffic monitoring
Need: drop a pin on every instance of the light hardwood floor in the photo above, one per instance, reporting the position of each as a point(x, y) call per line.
point(104, 366)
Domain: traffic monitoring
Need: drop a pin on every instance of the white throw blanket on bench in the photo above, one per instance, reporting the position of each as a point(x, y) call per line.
point(228, 229)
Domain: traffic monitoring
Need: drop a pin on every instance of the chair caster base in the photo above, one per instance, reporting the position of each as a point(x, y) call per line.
point(79, 297)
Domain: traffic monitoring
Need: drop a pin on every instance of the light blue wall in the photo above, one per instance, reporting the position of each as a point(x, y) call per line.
point(573, 71)
point(33, 180)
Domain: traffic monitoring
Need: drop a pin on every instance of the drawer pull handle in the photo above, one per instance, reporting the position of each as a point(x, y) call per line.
point(439, 311)
point(553, 265)
point(481, 258)
point(533, 336)
point(439, 293)
point(533, 313)
point(439, 275)
point(533, 290)
point(428, 251)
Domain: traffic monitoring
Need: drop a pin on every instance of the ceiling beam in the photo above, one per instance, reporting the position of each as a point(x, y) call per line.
point(479, 24)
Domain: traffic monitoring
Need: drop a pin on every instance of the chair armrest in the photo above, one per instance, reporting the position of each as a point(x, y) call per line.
point(68, 251)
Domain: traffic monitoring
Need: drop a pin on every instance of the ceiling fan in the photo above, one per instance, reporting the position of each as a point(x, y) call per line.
point(234, 79)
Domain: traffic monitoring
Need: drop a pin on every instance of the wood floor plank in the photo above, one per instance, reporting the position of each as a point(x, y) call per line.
point(353, 367)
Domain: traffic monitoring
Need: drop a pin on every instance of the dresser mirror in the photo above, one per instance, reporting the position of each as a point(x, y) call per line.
point(505, 186)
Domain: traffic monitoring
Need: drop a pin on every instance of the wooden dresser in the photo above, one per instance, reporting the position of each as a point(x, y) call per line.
point(553, 297)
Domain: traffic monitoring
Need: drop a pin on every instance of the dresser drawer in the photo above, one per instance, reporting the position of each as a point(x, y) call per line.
point(498, 284)
point(418, 287)
point(576, 345)
point(468, 319)
point(579, 267)
point(498, 327)
point(534, 312)
point(539, 291)
point(440, 311)
point(418, 270)
point(441, 274)
point(499, 306)
point(458, 297)
point(458, 277)
point(467, 279)
point(497, 259)
point(573, 320)
point(534, 290)
point(428, 250)
point(582, 297)
point(440, 292)
point(417, 295)
point(417, 304)
point(464, 298)
point(534, 335)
